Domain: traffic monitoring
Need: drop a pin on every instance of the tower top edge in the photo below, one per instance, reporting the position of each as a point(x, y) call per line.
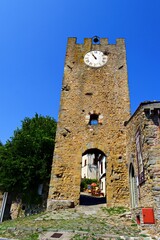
point(74, 40)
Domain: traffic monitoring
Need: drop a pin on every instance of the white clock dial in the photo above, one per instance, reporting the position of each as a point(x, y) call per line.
point(95, 59)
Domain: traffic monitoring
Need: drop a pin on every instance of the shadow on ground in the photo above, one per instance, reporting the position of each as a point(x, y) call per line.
point(91, 200)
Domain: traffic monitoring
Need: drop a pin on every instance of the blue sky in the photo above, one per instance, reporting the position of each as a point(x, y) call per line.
point(33, 38)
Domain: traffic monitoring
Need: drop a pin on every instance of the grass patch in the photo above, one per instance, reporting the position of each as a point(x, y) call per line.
point(134, 225)
point(33, 236)
point(114, 210)
point(86, 237)
point(143, 235)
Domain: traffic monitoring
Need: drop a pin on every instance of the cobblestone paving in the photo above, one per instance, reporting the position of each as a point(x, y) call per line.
point(91, 222)
point(88, 222)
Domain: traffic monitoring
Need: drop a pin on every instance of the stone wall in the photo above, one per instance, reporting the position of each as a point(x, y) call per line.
point(86, 90)
point(146, 120)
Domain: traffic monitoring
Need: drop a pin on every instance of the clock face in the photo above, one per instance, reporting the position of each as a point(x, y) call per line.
point(95, 59)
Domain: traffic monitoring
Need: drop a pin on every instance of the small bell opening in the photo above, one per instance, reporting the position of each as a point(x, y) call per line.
point(96, 40)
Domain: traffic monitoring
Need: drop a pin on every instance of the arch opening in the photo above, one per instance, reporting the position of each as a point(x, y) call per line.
point(93, 177)
point(133, 186)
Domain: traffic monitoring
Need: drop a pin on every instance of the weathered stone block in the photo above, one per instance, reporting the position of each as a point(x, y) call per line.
point(59, 204)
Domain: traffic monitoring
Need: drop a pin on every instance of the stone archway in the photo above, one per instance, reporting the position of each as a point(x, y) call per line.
point(94, 169)
point(133, 186)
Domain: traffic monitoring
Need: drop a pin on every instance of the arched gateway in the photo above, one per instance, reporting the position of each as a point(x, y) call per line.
point(93, 171)
point(94, 106)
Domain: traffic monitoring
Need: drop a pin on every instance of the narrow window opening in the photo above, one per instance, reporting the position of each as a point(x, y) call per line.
point(101, 167)
point(93, 119)
point(85, 162)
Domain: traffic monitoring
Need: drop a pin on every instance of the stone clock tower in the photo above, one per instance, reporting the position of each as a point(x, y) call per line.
point(94, 106)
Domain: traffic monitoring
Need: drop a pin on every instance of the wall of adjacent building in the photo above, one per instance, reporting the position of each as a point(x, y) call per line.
point(146, 121)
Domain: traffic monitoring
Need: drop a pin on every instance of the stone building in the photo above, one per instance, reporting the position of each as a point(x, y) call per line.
point(94, 118)
point(143, 154)
point(94, 106)
point(89, 166)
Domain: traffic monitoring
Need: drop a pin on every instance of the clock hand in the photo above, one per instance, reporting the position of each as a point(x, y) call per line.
point(94, 56)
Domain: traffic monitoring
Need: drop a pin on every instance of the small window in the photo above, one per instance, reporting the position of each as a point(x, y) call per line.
point(93, 119)
point(85, 162)
point(101, 167)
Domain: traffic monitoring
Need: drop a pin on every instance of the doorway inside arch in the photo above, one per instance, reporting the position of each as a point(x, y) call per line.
point(133, 187)
point(93, 177)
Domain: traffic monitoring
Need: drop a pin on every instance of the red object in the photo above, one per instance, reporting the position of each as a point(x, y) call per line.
point(93, 184)
point(148, 216)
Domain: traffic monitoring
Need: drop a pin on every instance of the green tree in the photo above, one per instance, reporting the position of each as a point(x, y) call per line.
point(25, 159)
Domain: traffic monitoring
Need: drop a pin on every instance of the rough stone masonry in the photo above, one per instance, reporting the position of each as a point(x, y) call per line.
point(88, 91)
